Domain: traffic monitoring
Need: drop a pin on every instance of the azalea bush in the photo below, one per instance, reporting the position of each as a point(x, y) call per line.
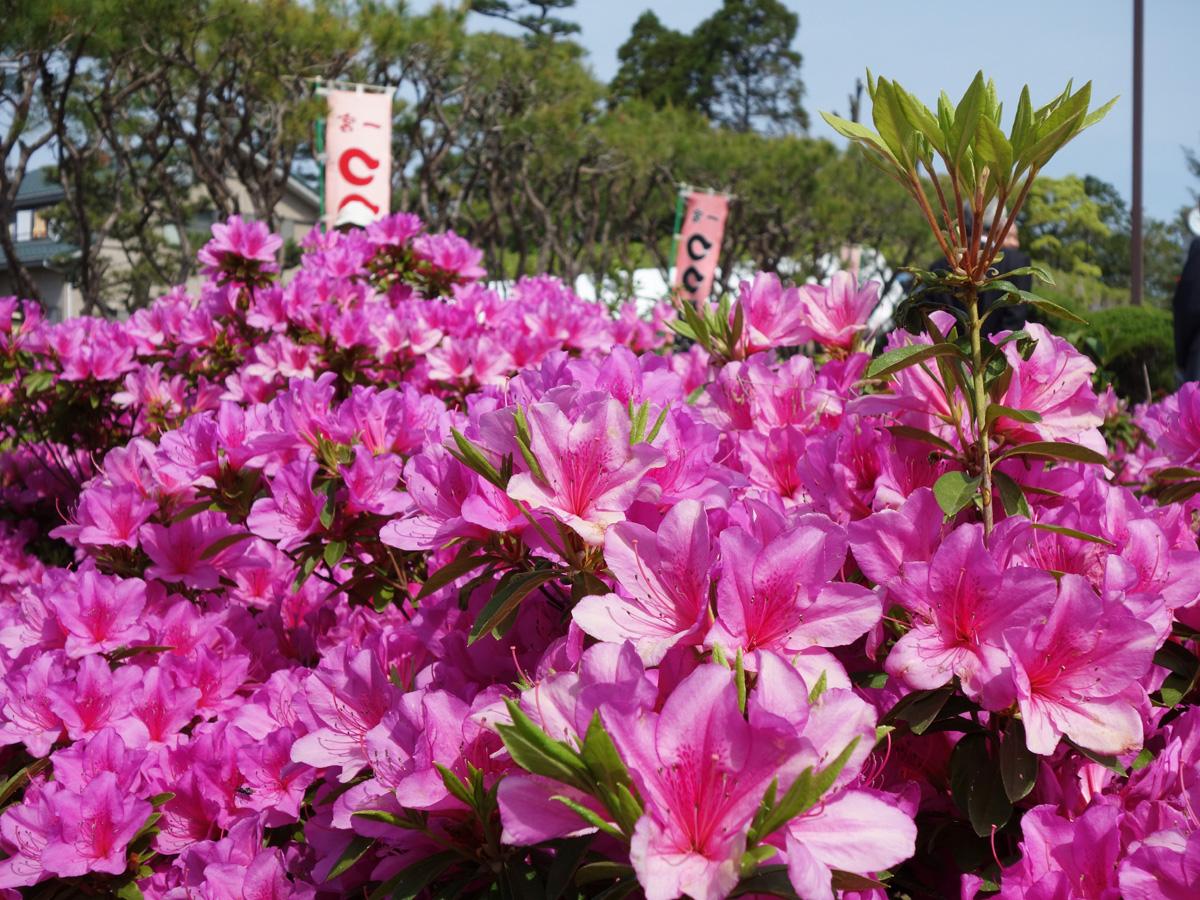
point(374, 582)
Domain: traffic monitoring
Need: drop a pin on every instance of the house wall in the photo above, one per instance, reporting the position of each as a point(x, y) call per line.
point(51, 285)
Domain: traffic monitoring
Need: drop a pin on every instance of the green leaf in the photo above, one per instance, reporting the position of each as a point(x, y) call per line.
point(602, 871)
point(472, 457)
point(919, 434)
point(1018, 765)
point(966, 118)
point(977, 786)
point(1054, 450)
point(455, 785)
point(514, 588)
point(920, 708)
point(819, 688)
point(1109, 762)
point(1073, 532)
point(1184, 669)
point(996, 411)
point(334, 551)
point(600, 755)
point(36, 382)
point(770, 880)
point(862, 135)
point(463, 563)
point(126, 652)
point(1050, 307)
point(129, 891)
point(383, 816)
point(589, 816)
point(1011, 495)
point(535, 751)
point(18, 779)
point(849, 881)
point(806, 791)
point(158, 801)
point(890, 121)
point(1176, 473)
point(1142, 760)
point(903, 357)
point(995, 149)
point(357, 848)
point(409, 882)
point(954, 491)
point(223, 542)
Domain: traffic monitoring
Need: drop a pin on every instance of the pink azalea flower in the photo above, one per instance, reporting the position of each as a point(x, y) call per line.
point(98, 698)
point(111, 516)
point(349, 695)
point(1067, 859)
point(97, 826)
point(101, 614)
point(1055, 382)
point(180, 552)
point(293, 511)
point(26, 828)
point(1076, 668)
point(395, 230)
point(666, 574)
point(29, 716)
point(451, 253)
point(239, 247)
point(779, 594)
point(1165, 866)
point(960, 615)
point(835, 314)
point(592, 475)
point(773, 316)
point(702, 770)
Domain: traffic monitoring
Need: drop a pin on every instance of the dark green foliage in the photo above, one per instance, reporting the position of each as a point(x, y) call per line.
point(738, 68)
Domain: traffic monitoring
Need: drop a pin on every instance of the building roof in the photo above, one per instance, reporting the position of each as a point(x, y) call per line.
point(37, 253)
point(37, 188)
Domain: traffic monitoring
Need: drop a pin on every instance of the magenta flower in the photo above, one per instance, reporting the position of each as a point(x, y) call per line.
point(349, 695)
point(666, 575)
point(773, 316)
point(1076, 671)
point(395, 230)
point(1165, 866)
point(1064, 858)
point(1055, 382)
point(26, 828)
point(837, 313)
point(239, 249)
point(183, 552)
point(98, 698)
point(97, 826)
point(293, 511)
point(779, 593)
point(702, 770)
point(959, 617)
point(101, 614)
point(592, 475)
point(29, 716)
point(451, 254)
point(111, 516)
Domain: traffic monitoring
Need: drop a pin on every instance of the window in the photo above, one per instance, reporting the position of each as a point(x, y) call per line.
point(41, 227)
point(24, 229)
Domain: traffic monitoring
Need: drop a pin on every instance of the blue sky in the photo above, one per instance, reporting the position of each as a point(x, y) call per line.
point(930, 45)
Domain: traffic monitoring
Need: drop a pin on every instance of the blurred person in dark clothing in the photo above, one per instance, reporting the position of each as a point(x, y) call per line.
point(1008, 318)
point(1186, 308)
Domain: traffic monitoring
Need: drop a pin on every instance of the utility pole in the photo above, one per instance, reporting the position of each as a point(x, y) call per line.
point(1136, 263)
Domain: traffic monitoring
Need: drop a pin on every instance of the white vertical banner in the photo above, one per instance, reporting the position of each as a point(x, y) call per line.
point(358, 165)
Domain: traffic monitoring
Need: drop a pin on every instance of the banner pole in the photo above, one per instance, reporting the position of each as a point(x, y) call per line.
point(320, 148)
point(679, 206)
